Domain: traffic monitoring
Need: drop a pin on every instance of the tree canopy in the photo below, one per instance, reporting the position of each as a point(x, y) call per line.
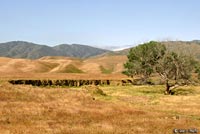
point(153, 57)
point(143, 58)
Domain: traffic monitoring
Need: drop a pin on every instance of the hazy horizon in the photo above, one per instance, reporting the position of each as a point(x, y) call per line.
point(113, 23)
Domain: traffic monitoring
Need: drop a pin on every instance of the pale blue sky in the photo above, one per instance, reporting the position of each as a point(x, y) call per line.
point(99, 22)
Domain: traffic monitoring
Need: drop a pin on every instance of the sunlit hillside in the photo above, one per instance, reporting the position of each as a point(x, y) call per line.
point(104, 64)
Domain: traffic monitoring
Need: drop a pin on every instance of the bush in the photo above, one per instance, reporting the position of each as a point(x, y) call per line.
point(95, 90)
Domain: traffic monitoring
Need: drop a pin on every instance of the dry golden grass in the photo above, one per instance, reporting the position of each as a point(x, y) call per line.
point(53, 64)
point(114, 63)
point(62, 68)
point(124, 109)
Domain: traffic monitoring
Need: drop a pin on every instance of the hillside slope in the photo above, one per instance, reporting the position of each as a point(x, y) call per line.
point(191, 48)
point(27, 50)
point(106, 63)
point(50, 64)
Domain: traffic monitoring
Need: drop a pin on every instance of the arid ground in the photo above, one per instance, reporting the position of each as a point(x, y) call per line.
point(50, 64)
point(89, 109)
point(26, 109)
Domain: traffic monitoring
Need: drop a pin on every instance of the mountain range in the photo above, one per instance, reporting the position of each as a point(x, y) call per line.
point(190, 48)
point(27, 50)
point(25, 57)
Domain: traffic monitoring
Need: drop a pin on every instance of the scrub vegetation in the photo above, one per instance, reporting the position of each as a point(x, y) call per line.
point(97, 109)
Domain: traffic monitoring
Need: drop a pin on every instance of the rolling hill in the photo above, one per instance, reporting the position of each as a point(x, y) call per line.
point(27, 50)
point(58, 64)
point(191, 48)
point(106, 62)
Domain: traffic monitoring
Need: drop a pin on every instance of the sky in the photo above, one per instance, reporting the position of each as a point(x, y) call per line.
point(102, 23)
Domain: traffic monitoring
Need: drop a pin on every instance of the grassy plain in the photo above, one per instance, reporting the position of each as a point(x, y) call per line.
point(26, 109)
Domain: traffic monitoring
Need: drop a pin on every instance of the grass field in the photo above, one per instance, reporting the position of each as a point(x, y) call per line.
point(26, 109)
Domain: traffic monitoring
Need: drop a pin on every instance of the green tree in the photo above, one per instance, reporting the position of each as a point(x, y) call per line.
point(197, 69)
point(143, 58)
point(152, 57)
point(176, 67)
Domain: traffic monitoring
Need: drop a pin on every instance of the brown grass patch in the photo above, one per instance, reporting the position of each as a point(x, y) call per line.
point(58, 64)
point(27, 109)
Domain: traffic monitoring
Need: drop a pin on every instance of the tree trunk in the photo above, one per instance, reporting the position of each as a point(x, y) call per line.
point(144, 79)
point(167, 87)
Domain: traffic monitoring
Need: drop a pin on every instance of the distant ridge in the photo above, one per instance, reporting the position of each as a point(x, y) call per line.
point(28, 50)
point(107, 62)
point(196, 41)
point(191, 48)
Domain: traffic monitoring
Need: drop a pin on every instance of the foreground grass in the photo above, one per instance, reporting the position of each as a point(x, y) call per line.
point(130, 109)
